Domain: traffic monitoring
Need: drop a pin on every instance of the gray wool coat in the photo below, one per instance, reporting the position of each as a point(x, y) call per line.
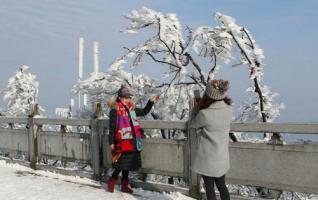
point(212, 158)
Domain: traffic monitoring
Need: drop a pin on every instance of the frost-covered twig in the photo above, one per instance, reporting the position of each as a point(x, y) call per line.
point(197, 67)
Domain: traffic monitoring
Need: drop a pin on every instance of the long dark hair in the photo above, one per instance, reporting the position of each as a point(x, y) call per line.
point(206, 101)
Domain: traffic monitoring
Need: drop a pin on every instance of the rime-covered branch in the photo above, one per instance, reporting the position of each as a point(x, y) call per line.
point(176, 84)
point(197, 67)
point(255, 80)
point(161, 61)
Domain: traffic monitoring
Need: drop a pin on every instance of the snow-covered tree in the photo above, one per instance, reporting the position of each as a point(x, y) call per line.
point(225, 43)
point(260, 106)
point(20, 93)
point(103, 87)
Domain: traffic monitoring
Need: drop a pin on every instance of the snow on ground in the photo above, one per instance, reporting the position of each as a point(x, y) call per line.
point(19, 182)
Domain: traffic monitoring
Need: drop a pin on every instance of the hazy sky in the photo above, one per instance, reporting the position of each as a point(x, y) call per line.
point(43, 34)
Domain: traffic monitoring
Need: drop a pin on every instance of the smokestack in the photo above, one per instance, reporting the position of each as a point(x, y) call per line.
point(80, 65)
point(80, 60)
point(96, 59)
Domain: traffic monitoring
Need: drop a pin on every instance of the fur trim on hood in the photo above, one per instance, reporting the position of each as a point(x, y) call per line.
point(112, 104)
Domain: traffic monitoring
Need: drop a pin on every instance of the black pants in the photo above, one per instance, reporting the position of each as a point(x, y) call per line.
point(220, 184)
point(124, 174)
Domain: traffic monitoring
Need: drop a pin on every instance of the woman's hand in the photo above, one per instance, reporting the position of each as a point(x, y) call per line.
point(112, 147)
point(155, 98)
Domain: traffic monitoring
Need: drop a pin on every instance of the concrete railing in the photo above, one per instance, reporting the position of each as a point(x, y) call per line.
point(280, 167)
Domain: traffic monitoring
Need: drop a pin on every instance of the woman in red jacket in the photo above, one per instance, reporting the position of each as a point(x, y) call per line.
point(125, 136)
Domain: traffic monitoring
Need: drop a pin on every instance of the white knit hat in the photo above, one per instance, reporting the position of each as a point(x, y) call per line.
point(216, 89)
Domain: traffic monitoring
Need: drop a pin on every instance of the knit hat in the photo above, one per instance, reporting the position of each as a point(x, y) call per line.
point(125, 90)
point(216, 89)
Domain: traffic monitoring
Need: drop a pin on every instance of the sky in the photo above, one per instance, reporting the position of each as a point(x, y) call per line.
point(44, 34)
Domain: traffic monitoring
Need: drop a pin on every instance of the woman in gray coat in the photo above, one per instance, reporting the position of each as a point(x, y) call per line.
point(213, 121)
